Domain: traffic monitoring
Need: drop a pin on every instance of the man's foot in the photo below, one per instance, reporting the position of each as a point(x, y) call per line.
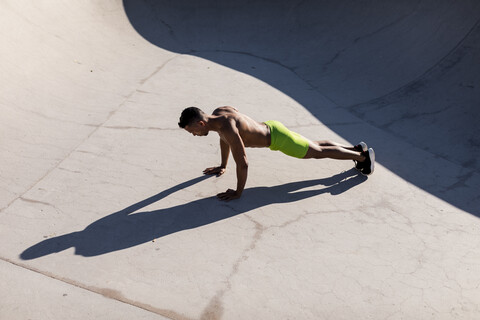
point(368, 165)
point(360, 147)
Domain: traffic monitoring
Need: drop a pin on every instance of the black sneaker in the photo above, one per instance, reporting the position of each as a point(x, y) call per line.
point(360, 147)
point(368, 165)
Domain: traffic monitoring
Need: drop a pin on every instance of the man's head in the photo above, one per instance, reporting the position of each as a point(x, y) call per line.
point(194, 121)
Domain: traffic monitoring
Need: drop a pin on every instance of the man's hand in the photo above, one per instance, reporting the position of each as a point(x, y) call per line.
point(229, 195)
point(215, 170)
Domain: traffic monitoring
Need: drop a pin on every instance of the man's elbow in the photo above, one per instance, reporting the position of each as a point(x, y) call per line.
point(243, 165)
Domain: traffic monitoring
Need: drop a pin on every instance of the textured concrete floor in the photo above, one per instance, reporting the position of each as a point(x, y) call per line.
point(105, 213)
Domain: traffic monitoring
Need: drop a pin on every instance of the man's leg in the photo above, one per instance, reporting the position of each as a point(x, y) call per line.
point(364, 161)
point(332, 150)
point(328, 143)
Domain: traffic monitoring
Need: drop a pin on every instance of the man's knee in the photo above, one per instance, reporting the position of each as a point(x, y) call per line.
point(315, 152)
point(324, 143)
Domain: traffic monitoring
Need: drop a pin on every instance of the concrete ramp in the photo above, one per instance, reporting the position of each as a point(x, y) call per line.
point(105, 213)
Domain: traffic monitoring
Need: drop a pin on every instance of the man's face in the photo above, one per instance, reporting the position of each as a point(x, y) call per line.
point(197, 128)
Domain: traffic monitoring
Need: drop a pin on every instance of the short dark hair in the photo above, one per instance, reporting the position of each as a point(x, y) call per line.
point(189, 115)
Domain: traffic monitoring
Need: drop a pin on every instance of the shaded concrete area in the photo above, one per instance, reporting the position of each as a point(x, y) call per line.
point(105, 213)
point(408, 68)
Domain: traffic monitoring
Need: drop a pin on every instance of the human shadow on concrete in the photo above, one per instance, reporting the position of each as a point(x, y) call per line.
point(128, 228)
point(309, 49)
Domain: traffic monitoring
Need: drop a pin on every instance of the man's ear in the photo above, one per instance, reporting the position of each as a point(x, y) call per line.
point(202, 123)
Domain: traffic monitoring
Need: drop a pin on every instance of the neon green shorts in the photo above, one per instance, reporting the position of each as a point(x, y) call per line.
point(286, 141)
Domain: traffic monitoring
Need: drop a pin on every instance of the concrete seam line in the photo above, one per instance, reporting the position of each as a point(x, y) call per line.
point(106, 293)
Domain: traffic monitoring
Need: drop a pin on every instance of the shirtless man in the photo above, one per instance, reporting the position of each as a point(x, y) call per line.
point(238, 131)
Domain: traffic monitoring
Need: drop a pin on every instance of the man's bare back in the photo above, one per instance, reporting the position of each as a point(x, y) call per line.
point(254, 134)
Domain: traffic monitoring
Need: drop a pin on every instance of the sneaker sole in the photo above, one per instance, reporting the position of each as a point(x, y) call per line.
point(371, 154)
point(364, 146)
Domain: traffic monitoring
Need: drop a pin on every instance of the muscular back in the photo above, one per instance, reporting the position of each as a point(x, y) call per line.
point(254, 134)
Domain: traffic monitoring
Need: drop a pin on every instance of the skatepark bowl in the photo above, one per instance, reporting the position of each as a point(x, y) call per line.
point(105, 214)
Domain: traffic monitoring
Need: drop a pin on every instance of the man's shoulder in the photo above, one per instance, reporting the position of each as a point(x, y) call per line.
point(224, 110)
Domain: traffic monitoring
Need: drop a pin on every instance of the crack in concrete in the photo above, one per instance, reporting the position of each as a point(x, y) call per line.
point(36, 202)
point(40, 114)
point(397, 21)
point(411, 116)
point(276, 62)
point(361, 38)
point(333, 59)
point(140, 128)
point(215, 309)
point(33, 201)
point(292, 69)
point(157, 70)
point(461, 181)
point(68, 170)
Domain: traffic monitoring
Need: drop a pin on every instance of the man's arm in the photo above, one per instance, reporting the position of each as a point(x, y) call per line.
point(235, 142)
point(225, 151)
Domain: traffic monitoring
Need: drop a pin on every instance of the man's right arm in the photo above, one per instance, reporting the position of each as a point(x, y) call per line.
point(225, 151)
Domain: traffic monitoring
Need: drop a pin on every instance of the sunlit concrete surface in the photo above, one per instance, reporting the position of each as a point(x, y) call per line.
point(104, 210)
